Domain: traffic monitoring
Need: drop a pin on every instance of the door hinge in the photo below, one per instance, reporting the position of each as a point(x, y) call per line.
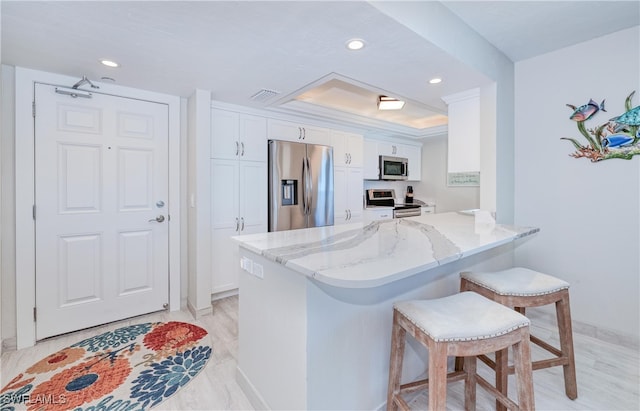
point(33, 212)
point(33, 109)
point(35, 314)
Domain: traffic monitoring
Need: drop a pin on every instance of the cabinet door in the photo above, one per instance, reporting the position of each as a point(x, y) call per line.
point(224, 193)
point(355, 194)
point(224, 134)
point(388, 149)
point(354, 143)
point(253, 138)
point(414, 155)
point(224, 224)
point(370, 160)
point(339, 143)
point(316, 135)
point(340, 195)
point(253, 197)
point(284, 130)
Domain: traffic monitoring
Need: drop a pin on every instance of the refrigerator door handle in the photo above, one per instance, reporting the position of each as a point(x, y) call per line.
point(309, 187)
point(305, 186)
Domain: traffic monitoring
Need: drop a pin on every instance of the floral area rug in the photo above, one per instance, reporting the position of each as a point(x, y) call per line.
point(131, 368)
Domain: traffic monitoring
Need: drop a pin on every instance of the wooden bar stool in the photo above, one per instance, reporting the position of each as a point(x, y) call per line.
point(521, 288)
point(464, 325)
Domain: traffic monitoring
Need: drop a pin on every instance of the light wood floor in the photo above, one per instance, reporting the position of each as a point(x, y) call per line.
point(608, 374)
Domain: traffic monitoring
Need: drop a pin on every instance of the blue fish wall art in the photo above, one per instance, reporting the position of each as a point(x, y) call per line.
point(617, 138)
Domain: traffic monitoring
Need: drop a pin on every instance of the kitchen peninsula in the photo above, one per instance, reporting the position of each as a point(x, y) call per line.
point(316, 304)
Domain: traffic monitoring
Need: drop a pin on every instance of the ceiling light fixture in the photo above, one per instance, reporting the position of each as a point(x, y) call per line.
point(109, 63)
point(389, 103)
point(355, 44)
point(435, 80)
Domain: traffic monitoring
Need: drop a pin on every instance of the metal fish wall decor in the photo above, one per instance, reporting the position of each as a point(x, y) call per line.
point(617, 138)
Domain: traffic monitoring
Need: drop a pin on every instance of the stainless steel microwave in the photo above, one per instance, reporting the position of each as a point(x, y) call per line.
point(393, 168)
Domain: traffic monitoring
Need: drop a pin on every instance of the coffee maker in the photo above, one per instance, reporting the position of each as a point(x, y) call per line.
point(408, 198)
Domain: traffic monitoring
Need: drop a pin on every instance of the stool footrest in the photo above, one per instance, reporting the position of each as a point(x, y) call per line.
point(497, 394)
point(422, 384)
point(553, 350)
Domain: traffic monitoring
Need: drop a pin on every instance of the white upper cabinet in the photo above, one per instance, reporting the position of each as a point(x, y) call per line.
point(347, 149)
point(371, 164)
point(288, 131)
point(238, 136)
point(463, 151)
point(414, 155)
point(388, 149)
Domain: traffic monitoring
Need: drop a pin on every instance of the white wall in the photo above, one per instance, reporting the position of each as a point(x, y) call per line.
point(588, 213)
point(7, 220)
point(433, 186)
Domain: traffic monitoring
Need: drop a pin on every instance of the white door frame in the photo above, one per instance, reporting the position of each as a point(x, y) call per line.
point(25, 188)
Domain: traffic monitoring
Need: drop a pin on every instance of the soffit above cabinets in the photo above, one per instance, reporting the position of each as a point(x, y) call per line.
point(338, 97)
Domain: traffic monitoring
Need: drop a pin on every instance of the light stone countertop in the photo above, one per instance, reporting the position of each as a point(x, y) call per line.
point(371, 254)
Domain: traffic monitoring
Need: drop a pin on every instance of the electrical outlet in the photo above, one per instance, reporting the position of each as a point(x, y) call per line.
point(258, 271)
point(246, 264)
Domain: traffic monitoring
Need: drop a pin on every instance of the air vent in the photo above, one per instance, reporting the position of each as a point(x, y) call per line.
point(264, 95)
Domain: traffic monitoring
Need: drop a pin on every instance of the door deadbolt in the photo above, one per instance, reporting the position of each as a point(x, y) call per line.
point(158, 219)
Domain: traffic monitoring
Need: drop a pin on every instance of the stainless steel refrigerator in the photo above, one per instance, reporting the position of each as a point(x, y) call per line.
point(300, 185)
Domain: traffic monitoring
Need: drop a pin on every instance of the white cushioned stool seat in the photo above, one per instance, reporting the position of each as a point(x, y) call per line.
point(517, 281)
point(522, 288)
point(465, 316)
point(463, 325)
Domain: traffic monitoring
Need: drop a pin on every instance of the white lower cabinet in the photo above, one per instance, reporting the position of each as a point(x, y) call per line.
point(238, 206)
point(348, 195)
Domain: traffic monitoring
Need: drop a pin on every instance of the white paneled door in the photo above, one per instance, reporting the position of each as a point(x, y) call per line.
point(101, 212)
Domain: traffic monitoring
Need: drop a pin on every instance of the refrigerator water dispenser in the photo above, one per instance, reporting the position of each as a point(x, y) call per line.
point(289, 192)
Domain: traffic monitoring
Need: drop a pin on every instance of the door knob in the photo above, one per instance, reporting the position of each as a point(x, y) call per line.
point(158, 219)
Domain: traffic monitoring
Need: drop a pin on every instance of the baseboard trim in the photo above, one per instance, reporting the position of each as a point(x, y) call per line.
point(589, 330)
point(250, 391)
point(224, 294)
point(199, 313)
point(8, 344)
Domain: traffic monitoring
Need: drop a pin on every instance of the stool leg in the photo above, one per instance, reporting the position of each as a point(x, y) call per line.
point(398, 335)
point(524, 372)
point(470, 382)
point(563, 313)
point(437, 376)
point(459, 361)
point(502, 375)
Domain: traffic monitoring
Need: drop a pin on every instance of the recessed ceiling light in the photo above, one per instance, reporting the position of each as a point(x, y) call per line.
point(109, 63)
point(435, 80)
point(355, 44)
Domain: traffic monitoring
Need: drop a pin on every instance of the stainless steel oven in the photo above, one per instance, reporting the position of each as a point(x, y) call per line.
point(386, 198)
point(393, 168)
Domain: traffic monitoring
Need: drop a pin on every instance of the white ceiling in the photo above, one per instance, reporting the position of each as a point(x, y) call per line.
point(235, 49)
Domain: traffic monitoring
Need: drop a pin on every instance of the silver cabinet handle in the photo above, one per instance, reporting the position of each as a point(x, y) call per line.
point(242, 222)
point(237, 224)
point(242, 145)
point(299, 133)
point(158, 219)
point(237, 148)
point(304, 133)
point(349, 158)
point(349, 214)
